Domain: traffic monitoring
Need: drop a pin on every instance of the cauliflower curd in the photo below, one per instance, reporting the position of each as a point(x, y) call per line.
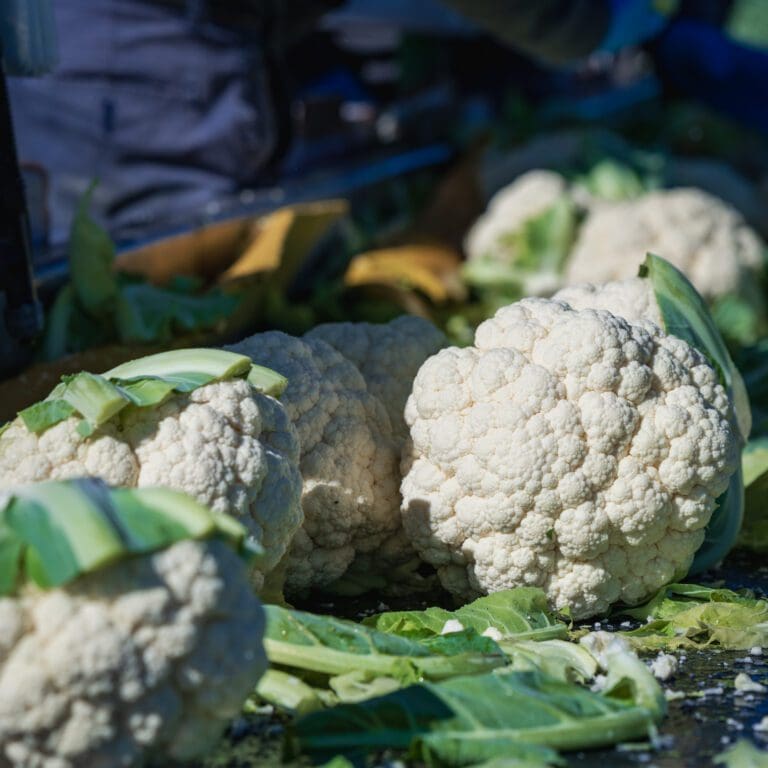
point(569, 450)
point(387, 354)
point(349, 458)
point(700, 234)
point(150, 657)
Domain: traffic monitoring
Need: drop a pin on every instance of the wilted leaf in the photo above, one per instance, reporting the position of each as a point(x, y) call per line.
point(282, 240)
point(431, 269)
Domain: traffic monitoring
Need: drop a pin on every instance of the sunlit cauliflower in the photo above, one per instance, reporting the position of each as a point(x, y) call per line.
point(701, 235)
point(231, 447)
point(349, 458)
point(148, 658)
point(567, 450)
point(634, 300)
point(387, 354)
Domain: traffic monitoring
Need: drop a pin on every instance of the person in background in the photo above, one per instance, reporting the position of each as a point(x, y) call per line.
point(174, 104)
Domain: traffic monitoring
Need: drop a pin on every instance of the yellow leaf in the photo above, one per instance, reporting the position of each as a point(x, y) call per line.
point(431, 269)
point(281, 241)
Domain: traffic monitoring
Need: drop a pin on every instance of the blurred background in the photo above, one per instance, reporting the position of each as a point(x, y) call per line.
point(181, 172)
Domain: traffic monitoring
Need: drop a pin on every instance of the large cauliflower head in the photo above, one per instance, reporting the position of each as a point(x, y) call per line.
point(150, 657)
point(349, 460)
point(388, 355)
point(231, 447)
point(568, 450)
point(701, 235)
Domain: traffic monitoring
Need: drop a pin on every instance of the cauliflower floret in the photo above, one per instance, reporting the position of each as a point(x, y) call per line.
point(698, 233)
point(568, 450)
point(388, 355)
point(349, 459)
point(633, 299)
point(232, 448)
point(150, 657)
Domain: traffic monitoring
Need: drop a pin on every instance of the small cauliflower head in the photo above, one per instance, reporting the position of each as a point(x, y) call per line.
point(349, 459)
point(528, 196)
point(701, 235)
point(388, 355)
point(148, 658)
point(227, 445)
point(568, 450)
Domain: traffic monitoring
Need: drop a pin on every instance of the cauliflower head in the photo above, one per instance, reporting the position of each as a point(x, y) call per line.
point(488, 241)
point(387, 354)
point(149, 657)
point(230, 447)
point(701, 235)
point(349, 459)
point(569, 450)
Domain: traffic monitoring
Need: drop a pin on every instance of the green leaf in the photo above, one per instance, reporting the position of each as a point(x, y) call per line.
point(143, 383)
point(687, 615)
point(53, 532)
point(686, 316)
point(95, 398)
point(45, 414)
point(267, 381)
point(359, 685)
point(742, 754)
point(145, 313)
point(91, 260)
point(737, 319)
point(472, 719)
point(518, 614)
point(611, 179)
point(63, 529)
point(323, 644)
point(58, 323)
point(754, 460)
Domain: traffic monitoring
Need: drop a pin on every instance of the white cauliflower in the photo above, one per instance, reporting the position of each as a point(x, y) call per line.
point(229, 446)
point(349, 460)
point(568, 450)
point(388, 355)
point(148, 658)
point(701, 235)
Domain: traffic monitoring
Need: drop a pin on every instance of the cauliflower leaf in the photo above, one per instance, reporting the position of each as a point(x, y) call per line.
point(513, 614)
point(467, 720)
point(688, 615)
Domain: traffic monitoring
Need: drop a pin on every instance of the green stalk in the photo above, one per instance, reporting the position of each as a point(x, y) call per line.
point(328, 661)
point(183, 363)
